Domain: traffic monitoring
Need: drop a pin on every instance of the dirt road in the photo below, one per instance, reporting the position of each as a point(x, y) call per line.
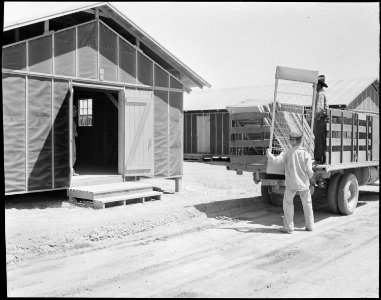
point(217, 238)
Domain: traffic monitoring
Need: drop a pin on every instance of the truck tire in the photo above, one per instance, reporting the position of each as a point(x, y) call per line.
point(274, 199)
point(332, 193)
point(265, 193)
point(348, 194)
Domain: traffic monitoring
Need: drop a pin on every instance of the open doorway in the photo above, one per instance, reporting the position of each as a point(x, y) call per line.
point(96, 143)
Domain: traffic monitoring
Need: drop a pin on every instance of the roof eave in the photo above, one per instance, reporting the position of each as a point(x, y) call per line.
point(157, 47)
point(18, 24)
point(190, 78)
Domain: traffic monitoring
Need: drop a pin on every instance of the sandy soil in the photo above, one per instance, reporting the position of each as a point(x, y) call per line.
point(216, 238)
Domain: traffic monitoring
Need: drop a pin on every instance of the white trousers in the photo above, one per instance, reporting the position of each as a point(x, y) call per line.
point(288, 209)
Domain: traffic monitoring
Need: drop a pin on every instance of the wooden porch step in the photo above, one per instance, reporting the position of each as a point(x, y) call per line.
point(117, 193)
point(122, 199)
point(93, 192)
point(84, 180)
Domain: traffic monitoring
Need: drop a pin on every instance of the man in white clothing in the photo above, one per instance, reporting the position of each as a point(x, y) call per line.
point(298, 167)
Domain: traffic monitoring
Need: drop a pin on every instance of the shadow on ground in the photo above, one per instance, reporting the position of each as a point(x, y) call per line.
point(258, 211)
point(39, 200)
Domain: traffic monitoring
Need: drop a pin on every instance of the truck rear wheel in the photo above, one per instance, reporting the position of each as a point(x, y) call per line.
point(265, 193)
point(348, 193)
point(332, 193)
point(274, 199)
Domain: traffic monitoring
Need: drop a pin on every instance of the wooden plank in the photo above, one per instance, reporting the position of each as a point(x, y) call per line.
point(352, 138)
point(342, 137)
point(357, 137)
point(375, 138)
point(250, 143)
point(361, 156)
point(330, 137)
point(367, 136)
point(250, 116)
point(347, 127)
point(250, 129)
point(345, 142)
point(350, 165)
point(335, 158)
point(347, 156)
point(347, 114)
point(362, 116)
point(248, 159)
point(335, 112)
point(295, 74)
point(118, 198)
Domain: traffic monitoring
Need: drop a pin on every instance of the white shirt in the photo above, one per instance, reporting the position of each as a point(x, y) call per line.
point(298, 166)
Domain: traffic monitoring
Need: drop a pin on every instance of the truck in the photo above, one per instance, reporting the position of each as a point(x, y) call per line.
point(351, 151)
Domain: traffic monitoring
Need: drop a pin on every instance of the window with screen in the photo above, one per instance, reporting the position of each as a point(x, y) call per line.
point(85, 112)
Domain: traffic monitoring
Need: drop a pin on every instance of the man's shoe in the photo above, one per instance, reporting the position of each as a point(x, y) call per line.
point(285, 230)
point(309, 229)
point(75, 174)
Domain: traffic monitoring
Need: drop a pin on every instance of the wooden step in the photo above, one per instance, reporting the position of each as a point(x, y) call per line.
point(117, 193)
point(85, 180)
point(92, 192)
point(122, 199)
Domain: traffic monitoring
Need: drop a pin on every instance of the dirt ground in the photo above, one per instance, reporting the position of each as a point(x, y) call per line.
point(216, 238)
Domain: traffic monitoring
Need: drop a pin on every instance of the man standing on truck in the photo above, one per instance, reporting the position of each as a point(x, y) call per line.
point(298, 167)
point(321, 113)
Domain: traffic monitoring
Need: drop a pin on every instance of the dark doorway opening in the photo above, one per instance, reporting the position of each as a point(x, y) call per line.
point(97, 128)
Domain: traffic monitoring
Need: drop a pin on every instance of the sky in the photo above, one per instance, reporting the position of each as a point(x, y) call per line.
point(237, 44)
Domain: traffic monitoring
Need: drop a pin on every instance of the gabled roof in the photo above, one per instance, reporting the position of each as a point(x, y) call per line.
point(215, 99)
point(187, 75)
point(339, 92)
point(343, 92)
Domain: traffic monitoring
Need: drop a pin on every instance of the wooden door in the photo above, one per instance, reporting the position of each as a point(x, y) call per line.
point(203, 134)
point(138, 133)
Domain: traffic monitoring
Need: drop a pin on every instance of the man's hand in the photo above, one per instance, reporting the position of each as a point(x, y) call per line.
point(268, 152)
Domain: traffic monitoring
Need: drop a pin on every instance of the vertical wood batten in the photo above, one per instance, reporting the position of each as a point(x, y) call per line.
point(216, 131)
point(371, 138)
point(26, 116)
point(342, 137)
point(191, 132)
point(26, 132)
point(366, 139)
point(330, 136)
point(52, 128)
point(71, 89)
point(230, 135)
point(76, 52)
point(117, 58)
point(46, 26)
point(136, 65)
point(357, 137)
point(53, 39)
point(168, 130)
point(98, 46)
point(352, 138)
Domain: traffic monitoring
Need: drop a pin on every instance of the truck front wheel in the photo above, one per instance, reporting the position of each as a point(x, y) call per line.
point(348, 194)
